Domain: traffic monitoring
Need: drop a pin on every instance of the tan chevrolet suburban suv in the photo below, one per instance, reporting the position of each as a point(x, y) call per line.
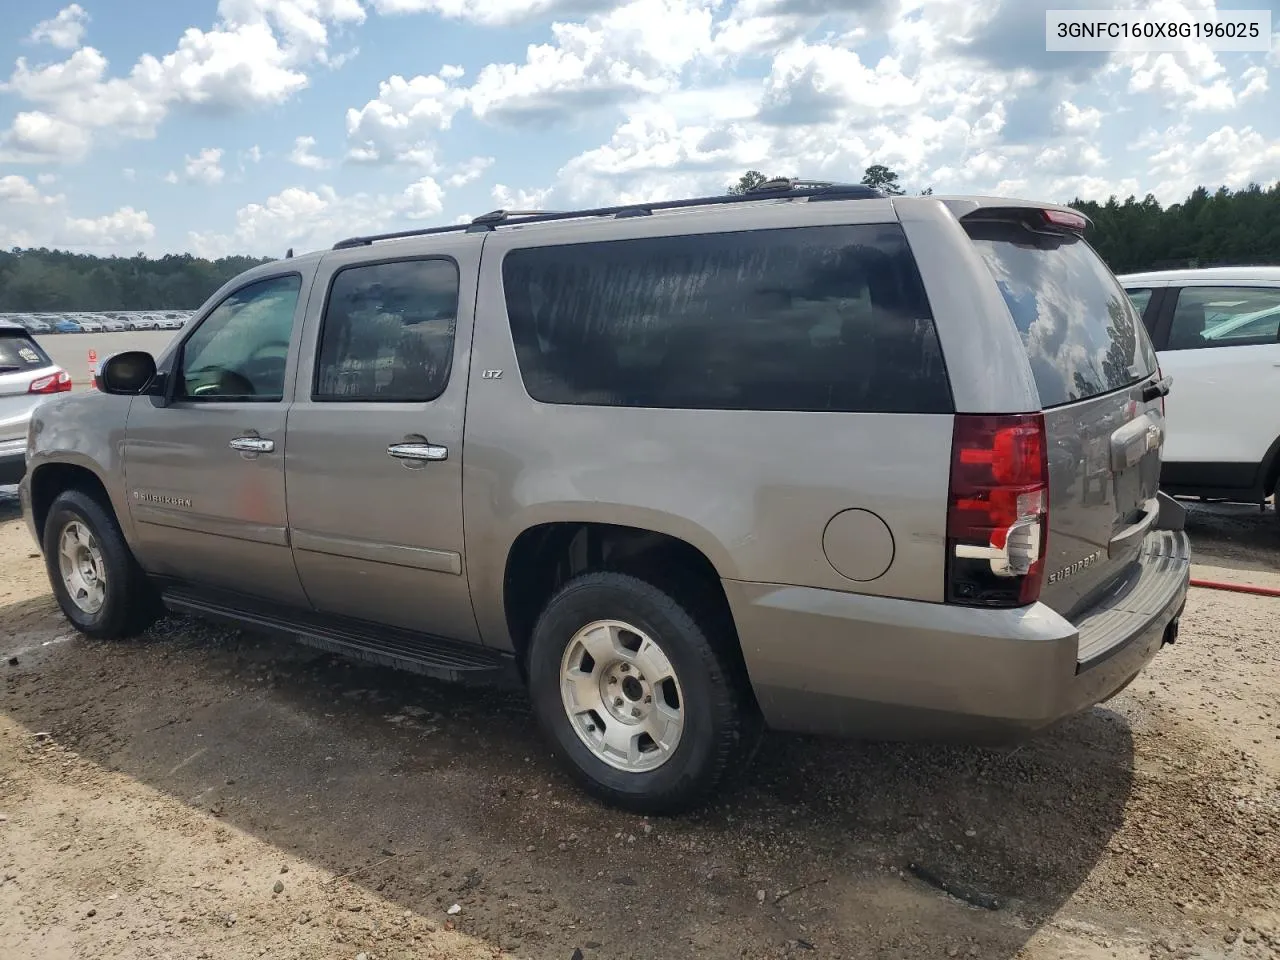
point(813, 459)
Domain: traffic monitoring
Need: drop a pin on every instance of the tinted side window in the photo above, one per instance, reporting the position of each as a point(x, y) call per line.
point(240, 349)
point(388, 332)
point(830, 318)
point(1225, 317)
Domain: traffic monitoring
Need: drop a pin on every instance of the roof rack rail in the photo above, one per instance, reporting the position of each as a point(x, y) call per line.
point(777, 189)
point(500, 216)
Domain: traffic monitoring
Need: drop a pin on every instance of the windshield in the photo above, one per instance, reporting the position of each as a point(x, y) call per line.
point(1079, 327)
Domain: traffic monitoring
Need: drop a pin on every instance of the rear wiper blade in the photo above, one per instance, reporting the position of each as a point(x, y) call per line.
point(8, 367)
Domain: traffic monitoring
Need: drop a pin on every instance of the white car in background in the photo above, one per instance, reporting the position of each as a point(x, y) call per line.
point(1217, 333)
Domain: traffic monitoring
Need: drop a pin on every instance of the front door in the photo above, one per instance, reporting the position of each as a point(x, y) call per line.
point(1223, 342)
point(205, 469)
point(374, 464)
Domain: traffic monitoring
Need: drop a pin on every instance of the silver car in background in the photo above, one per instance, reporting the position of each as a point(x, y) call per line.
point(27, 377)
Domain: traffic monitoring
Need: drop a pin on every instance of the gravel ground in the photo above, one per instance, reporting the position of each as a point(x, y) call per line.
point(206, 793)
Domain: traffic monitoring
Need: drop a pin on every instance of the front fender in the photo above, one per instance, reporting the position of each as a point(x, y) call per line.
point(84, 430)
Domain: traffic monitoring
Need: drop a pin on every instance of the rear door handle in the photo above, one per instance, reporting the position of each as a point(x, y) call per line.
point(252, 445)
point(419, 452)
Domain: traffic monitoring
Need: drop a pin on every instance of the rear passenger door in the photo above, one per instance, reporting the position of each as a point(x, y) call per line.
point(374, 460)
point(1223, 351)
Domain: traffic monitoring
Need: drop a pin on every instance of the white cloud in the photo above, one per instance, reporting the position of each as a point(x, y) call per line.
point(304, 24)
point(809, 84)
point(1226, 157)
point(508, 199)
point(1255, 83)
point(655, 156)
point(400, 125)
point(637, 49)
point(296, 217)
point(490, 12)
point(37, 137)
point(64, 31)
point(1075, 119)
point(1192, 78)
point(304, 156)
point(15, 190)
point(205, 167)
point(242, 61)
point(421, 200)
point(471, 170)
point(762, 26)
point(45, 179)
point(30, 218)
point(129, 174)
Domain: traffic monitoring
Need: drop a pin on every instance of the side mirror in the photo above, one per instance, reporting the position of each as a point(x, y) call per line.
point(127, 374)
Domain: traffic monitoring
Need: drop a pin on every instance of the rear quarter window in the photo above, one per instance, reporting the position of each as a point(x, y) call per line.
point(19, 352)
point(1082, 334)
point(830, 318)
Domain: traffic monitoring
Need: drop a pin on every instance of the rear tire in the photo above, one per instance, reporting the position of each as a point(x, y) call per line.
point(654, 720)
point(95, 578)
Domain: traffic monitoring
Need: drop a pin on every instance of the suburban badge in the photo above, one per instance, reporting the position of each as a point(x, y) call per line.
point(1072, 569)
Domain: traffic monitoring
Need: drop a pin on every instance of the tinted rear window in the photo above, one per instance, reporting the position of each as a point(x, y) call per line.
point(1080, 329)
point(830, 318)
point(19, 352)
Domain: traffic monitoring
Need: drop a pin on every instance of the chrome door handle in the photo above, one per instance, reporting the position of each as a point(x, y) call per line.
point(252, 445)
point(422, 452)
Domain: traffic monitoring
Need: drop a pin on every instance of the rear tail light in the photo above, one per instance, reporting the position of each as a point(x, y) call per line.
point(998, 510)
point(59, 382)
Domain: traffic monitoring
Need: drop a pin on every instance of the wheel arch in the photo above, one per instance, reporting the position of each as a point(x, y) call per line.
point(1269, 473)
point(49, 479)
point(546, 555)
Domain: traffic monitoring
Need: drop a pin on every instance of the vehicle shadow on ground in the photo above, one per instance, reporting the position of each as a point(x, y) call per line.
point(1233, 534)
point(431, 794)
point(10, 506)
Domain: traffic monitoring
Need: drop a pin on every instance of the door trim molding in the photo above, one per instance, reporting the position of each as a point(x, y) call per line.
point(421, 558)
point(275, 536)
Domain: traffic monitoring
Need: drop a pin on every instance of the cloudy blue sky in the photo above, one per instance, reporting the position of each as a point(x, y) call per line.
point(249, 126)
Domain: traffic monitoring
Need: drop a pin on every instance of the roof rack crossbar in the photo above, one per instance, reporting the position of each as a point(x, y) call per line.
point(780, 189)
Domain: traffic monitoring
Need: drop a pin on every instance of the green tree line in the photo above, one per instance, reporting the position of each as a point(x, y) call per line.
point(1240, 227)
point(52, 280)
point(1222, 227)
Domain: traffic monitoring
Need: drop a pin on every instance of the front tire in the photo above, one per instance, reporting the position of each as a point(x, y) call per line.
point(642, 708)
point(95, 578)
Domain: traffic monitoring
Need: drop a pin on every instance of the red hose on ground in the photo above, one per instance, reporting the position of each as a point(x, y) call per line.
point(1237, 587)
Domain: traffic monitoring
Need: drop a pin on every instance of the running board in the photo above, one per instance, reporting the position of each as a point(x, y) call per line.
point(367, 642)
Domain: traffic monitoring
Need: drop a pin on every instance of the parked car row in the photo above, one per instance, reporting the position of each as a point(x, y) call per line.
point(46, 323)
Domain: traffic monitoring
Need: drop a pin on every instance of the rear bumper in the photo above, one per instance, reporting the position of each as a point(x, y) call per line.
point(827, 662)
point(13, 460)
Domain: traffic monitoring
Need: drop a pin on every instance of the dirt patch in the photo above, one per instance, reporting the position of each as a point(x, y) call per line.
point(165, 784)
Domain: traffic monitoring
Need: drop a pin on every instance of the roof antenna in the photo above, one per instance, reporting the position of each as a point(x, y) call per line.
point(288, 254)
